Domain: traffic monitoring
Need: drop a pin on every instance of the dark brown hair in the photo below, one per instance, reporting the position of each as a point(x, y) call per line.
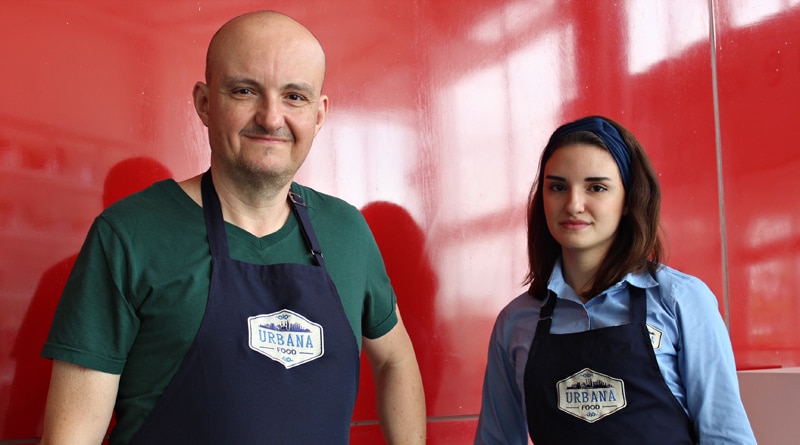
point(637, 245)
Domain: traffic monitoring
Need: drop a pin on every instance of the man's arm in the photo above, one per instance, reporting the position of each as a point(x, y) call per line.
point(398, 386)
point(79, 405)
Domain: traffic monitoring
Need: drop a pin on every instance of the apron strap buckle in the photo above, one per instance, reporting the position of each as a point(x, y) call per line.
point(296, 198)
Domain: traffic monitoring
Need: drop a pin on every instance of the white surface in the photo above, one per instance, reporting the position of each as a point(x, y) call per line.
point(770, 397)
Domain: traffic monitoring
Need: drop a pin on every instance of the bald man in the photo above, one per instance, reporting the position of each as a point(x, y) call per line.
point(204, 311)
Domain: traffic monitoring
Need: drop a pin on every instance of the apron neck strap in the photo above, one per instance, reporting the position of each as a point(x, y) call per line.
point(638, 304)
point(300, 211)
point(215, 224)
point(546, 314)
point(212, 212)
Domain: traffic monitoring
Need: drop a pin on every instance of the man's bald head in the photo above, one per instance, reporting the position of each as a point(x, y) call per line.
point(267, 24)
point(262, 101)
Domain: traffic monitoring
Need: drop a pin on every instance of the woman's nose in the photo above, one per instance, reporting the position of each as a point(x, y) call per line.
point(575, 202)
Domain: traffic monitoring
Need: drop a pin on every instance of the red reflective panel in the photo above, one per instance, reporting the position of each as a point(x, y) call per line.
point(758, 70)
point(439, 111)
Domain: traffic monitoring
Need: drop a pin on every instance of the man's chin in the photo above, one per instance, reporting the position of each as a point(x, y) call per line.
point(267, 175)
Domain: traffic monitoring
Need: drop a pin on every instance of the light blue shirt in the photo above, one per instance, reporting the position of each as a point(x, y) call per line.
point(690, 340)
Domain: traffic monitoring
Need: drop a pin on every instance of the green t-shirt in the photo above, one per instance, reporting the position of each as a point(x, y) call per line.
point(138, 291)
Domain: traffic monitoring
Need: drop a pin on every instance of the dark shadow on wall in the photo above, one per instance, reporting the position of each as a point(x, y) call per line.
point(32, 373)
point(404, 249)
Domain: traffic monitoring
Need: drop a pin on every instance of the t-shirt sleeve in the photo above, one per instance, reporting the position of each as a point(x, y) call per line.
point(380, 302)
point(95, 325)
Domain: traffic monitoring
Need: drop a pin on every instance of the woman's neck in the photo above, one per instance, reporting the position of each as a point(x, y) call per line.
point(579, 270)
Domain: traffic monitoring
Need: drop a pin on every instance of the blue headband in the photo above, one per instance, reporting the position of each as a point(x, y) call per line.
point(605, 131)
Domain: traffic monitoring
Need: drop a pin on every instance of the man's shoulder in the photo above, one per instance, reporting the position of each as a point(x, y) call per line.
point(163, 202)
point(325, 205)
point(154, 193)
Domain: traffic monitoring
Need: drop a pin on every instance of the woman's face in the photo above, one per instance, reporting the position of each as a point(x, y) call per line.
point(583, 199)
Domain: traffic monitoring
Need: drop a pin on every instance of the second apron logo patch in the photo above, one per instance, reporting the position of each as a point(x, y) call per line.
point(286, 337)
point(591, 395)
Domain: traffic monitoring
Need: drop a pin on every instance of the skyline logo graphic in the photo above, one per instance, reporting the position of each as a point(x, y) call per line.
point(591, 395)
point(286, 337)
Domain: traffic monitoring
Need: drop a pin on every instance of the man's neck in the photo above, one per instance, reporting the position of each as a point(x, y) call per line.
point(259, 212)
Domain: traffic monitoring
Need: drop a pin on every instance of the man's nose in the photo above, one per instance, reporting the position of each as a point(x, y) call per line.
point(269, 113)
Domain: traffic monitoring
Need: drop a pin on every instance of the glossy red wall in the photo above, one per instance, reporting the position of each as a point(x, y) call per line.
point(439, 113)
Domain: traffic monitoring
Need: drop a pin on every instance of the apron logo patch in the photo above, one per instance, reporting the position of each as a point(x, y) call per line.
point(286, 337)
point(590, 395)
point(655, 337)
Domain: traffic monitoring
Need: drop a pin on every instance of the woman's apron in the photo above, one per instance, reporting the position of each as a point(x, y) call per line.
point(601, 386)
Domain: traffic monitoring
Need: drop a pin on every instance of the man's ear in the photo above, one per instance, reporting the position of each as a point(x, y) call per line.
point(200, 96)
point(322, 111)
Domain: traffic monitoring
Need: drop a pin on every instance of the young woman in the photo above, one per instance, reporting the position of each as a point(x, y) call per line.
point(608, 346)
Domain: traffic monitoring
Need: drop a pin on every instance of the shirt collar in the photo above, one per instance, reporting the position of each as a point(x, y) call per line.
point(558, 286)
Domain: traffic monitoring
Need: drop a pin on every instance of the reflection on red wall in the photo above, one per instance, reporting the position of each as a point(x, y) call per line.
point(439, 112)
point(759, 69)
point(404, 249)
point(31, 372)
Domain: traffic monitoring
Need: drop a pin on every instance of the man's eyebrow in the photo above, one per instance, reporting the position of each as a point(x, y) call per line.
point(298, 86)
point(240, 81)
point(303, 87)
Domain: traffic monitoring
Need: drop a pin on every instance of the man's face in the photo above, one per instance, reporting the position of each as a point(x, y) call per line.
point(263, 104)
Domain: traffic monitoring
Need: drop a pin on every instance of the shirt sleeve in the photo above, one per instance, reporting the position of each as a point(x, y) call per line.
point(502, 419)
point(381, 302)
point(95, 325)
point(707, 364)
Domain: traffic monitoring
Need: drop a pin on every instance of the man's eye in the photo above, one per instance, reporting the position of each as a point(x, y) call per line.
point(243, 91)
point(294, 97)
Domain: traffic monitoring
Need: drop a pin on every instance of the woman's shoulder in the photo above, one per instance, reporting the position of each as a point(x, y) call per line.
point(678, 287)
point(523, 309)
point(673, 277)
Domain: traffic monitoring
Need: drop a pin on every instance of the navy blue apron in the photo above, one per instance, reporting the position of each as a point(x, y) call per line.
point(275, 360)
point(601, 386)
